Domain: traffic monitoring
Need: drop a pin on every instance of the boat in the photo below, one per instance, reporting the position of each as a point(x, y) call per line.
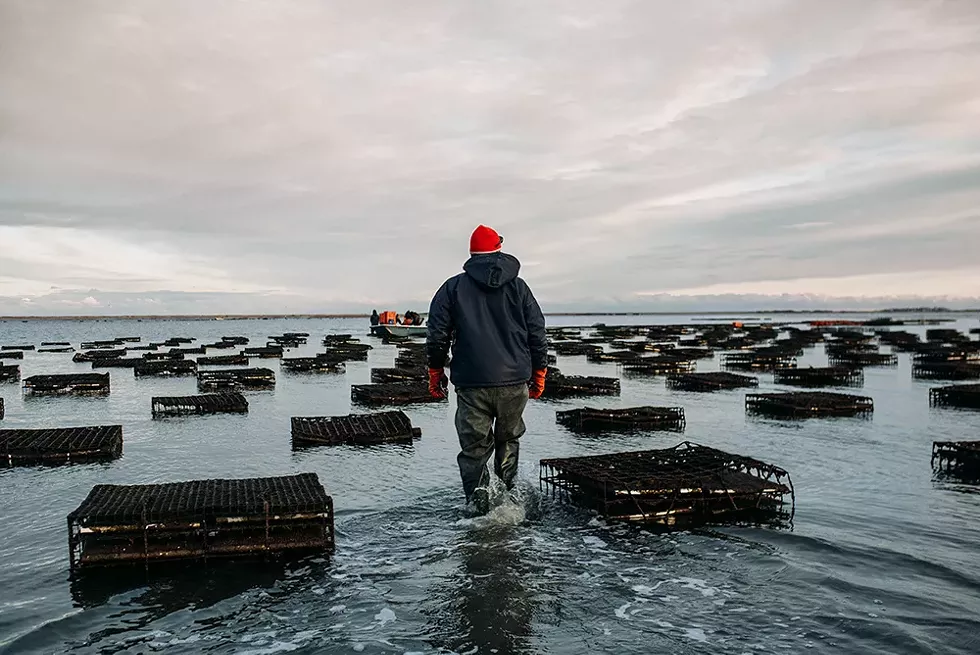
point(386, 330)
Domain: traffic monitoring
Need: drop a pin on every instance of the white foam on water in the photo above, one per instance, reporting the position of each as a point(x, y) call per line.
point(385, 616)
point(621, 611)
point(697, 584)
point(697, 634)
point(337, 608)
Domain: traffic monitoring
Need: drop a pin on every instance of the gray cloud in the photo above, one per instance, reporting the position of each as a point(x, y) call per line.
point(257, 154)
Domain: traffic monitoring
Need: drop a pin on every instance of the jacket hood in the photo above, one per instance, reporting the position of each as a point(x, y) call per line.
point(494, 270)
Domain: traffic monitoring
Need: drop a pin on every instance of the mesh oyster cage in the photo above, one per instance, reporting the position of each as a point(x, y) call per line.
point(354, 429)
point(1, 408)
point(589, 419)
point(161, 357)
point(92, 355)
point(67, 383)
point(128, 339)
point(200, 520)
point(60, 445)
point(675, 487)
point(312, 365)
point(958, 395)
point(117, 362)
point(574, 348)
point(398, 374)
point(338, 339)
point(21, 347)
point(713, 381)
point(236, 379)
point(943, 353)
point(191, 350)
point(898, 340)
point(862, 359)
point(172, 367)
point(612, 356)
point(558, 385)
point(957, 458)
point(834, 348)
point(56, 349)
point(756, 361)
point(946, 371)
point(213, 403)
point(238, 341)
point(347, 352)
point(219, 345)
point(177, 341)
point(264, 352)
point(86, 345)
point(808, 404)
point(832, 376)
point(9, 372)
point(223, 360)
point(12, 354)
point(945, 335)
point(392, 393)
point(663, 365)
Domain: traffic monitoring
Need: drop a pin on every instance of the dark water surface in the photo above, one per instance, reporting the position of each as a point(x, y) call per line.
point(882, 557)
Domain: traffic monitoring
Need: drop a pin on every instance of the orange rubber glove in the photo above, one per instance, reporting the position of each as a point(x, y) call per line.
point(536, 387)
point(438, 383)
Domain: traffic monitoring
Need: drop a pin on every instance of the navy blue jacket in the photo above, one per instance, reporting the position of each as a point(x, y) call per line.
point(490, 319)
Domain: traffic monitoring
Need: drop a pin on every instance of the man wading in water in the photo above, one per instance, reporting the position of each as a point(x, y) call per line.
point(491, 320)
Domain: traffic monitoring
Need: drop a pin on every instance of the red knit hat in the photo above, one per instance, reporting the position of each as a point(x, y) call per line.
point(485, 240)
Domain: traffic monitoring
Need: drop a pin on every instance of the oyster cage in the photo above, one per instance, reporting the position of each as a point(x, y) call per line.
point(355, 429)
point(558, 385)
point(754, 361)
point(9, 373)
point(385, 375)
point(957, 395)
point(12, 354)
point(1, 408)
point(688, 484)
point(21, 348)
point(117, 362)
point(957, 458)
point(200, 520)
point(347, 352)
point(68, 383)
point(808, 404)
point(213, 403)
point(833, 376)
point(165, 367)
point(629, 419)
point(223, 360)
point(60, 445)
point(714, 381)
point(92, 355)
point(392, 393)
point(663, 365)
point(946, 371)
point(854, 359)
point(266, 352)
point(312, 365)
point(236, 379)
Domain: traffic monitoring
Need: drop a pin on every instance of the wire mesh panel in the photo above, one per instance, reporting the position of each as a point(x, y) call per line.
point(713, 381)
point(958, 458)
point(958, 395)
point(236, 379)
point(355, 429)
point(808, 404)
point(674, 487)
point(393, 393)
point(833, 376)
point(68, 383)
point(629, 419)
point(214, 403)
point(60, 445)
point(201, 519)
point(165, 368)
point(9, 372)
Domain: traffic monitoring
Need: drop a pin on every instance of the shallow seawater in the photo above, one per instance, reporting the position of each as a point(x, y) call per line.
point(881, 558)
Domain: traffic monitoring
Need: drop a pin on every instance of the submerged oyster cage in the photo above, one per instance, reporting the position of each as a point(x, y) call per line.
point(68, 383)
point(212, 403)
point(832, 376)
point(385, 375)
point(959, 458)
point(589, 419)
point(117, 362)
point(9, 373)
point(165, 367)
point(355, 429)
point(200, 520)
point(60, 445)
point(12, 354)
point(679, 486)
point(808, 404)
point(312, 365)
point(558, 385)
point(223, 360)
point(236, 379)
point(946, 371)
point(957, 395)
point(392, 393)
point(714, 381)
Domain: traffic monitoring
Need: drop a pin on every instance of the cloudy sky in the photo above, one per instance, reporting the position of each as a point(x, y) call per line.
point(173, 156)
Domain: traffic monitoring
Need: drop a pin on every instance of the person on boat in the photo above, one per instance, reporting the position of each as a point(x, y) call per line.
point(408, 320)
point(375, 318)
point(491, 321)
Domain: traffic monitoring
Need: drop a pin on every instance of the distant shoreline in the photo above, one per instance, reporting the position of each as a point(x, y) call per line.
point(253, 317)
